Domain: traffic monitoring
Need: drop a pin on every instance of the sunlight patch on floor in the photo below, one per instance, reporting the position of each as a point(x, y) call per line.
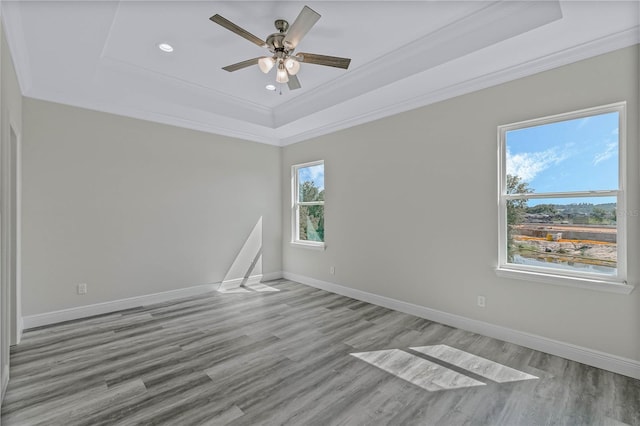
point(475, 364)
point(425, 374)
point(433, 376)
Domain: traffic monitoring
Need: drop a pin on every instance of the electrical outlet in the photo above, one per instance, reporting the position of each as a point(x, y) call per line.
point(82, 288)
point(482, 301)
point(332, 270)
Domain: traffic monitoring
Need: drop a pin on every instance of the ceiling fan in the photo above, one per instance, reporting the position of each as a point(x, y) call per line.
point(281, 45)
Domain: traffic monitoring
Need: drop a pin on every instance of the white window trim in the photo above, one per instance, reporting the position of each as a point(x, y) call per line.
point(295, 217)
point(617, 284)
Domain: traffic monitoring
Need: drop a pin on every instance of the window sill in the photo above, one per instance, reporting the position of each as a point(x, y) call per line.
point(311, 246)
point(586, 283)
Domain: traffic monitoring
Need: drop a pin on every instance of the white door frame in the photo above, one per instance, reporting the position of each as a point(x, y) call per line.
point(10, 294)
point(15, 189)
point(4, 297)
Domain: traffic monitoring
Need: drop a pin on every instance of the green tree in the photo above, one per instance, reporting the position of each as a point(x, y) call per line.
point(598, 214)
point(515, 208)
point(311, 217)
point(310, 192)
point(549, 209)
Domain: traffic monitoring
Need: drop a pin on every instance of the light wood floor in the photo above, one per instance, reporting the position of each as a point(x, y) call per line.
point(297, 356)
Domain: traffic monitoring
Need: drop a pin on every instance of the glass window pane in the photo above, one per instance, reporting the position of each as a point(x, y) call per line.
point(577, 234)
point(311, 220)
point(571, 155)
point(311, 183)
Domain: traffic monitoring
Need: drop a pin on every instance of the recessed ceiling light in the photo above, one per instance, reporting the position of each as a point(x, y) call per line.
point(165, 47)
point(270, 87)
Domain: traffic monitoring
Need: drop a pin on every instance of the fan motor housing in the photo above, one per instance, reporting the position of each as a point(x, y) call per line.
point(275, 42)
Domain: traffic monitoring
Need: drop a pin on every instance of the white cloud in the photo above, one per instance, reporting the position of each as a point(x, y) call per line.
point(615, 132)
point(316, 174)
point(528, 165)
point(612, 148)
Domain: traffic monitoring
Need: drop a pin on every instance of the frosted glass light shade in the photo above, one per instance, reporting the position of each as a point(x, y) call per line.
point(266, 64)
point(282, 76)
point(292, 66)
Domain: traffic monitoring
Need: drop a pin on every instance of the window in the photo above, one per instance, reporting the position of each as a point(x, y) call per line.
point(308, 204)
point(562, 204)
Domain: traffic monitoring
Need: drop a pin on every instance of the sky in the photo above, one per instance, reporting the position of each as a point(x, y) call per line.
point(313, 173)
point(572, 155)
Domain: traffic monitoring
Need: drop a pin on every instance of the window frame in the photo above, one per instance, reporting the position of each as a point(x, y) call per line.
point(295, 208)
point(616, 283)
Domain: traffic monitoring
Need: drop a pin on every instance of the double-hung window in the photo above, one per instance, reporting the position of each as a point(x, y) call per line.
point(308, 204)
point(562, 199)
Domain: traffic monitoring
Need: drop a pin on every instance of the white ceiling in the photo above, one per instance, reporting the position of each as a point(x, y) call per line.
point(103, 55)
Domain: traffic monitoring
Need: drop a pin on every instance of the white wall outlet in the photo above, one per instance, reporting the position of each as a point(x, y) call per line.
point(332, 270)
point(482, 301)
point(82, 288)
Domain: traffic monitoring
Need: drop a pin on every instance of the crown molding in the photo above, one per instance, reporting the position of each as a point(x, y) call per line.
point(360, 96)
point(557, 59)
point(217, 101)
point(282, 137)
point(12, 24)
point(218, 125)
point(507, 19)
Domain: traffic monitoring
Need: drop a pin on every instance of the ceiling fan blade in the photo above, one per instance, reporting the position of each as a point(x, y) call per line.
point(240, 65)
point(236, 29)
point(300, 27)
point(293, 82)
point(330, 61)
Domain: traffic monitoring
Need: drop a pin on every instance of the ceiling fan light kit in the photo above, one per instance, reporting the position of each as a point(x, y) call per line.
point(292, 65)
point(266, 63)
point(282, 76)
point(282, 45)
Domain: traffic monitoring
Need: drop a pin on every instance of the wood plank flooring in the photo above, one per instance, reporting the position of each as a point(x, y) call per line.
point(296, 356)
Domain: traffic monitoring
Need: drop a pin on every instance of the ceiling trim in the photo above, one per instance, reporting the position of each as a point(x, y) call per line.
point(462, 37)
point(249, 111)
point(301, 119)
point(224, 126)
point(557, 59)
point(231, 105)
point(12, 24)
point(268, 136)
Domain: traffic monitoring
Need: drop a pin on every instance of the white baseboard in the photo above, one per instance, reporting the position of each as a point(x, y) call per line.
point(20, 330)
point(614, 363)
point(270, 276)
point(47, 318)
point(5, 382)
point(237, 282)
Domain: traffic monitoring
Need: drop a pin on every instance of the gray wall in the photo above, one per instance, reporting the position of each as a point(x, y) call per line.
point(411, 208)
point(133, 208)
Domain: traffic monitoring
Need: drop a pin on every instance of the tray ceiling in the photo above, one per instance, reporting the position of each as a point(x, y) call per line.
point(104, 55)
